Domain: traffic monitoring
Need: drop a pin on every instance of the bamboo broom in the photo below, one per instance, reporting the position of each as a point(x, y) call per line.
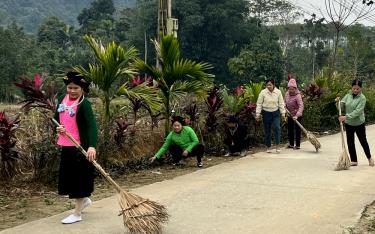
point(310, 136)
point(344, 161)
point(139, 215)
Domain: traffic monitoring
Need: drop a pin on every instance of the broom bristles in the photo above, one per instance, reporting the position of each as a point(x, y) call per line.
point(314, 141)
point(344, 162)
point(142, 215)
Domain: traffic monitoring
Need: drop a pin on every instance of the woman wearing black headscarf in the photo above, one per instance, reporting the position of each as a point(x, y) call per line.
point(76, 117)
point(182, 142)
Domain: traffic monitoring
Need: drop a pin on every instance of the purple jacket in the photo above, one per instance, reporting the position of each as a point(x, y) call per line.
point(294, 103)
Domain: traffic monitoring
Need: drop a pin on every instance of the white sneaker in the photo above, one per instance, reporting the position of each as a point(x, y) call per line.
point(243, 153)
point(71, 219)
point(269, 150)
point(278, 150)
point(86, 203)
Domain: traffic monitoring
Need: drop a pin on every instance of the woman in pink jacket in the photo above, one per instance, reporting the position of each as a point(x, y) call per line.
point(294, 104)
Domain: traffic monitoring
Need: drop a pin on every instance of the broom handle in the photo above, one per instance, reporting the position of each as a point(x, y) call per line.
point(298, 123)
point(341, 125)
point(96, 165)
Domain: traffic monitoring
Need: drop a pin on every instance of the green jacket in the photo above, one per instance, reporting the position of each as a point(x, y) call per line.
point(88, 131)
point(186, 139)
point(354, 109)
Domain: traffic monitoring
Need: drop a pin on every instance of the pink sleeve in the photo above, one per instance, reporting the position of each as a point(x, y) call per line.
point(300, 105)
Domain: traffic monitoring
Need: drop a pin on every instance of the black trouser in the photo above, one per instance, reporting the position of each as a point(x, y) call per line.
point(293, 128)
point(361, 134)
point(236, 148)
point(238, 145)
point(176, 152)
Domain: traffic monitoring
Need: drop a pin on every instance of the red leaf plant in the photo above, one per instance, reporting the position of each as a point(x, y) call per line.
point(37, 95)
point(214, 102)
point(8, 152)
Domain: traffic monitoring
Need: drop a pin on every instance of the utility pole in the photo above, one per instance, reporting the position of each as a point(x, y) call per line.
point(166, 24)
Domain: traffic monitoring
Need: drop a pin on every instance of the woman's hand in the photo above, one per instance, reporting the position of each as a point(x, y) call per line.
point(152, 159)
point(61, 129)
point(257, 118)
point(342, 118)
point(185, 153)
point(295, 118)
point(337, 99)
point(91, 154)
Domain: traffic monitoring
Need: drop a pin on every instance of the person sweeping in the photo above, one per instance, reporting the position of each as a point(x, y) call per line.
point(294, 104)
point(354, 120)
point(76, 172)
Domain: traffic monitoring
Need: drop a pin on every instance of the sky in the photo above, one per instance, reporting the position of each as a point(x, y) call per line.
point(313, 6)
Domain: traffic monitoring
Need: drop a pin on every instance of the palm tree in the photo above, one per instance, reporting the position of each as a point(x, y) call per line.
point(176, 76)
point(114, 63)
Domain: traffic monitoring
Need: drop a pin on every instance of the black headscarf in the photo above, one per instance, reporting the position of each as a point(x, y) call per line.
point(179, 119)
point(233, 119)
point(357, 82)
point(78, 79)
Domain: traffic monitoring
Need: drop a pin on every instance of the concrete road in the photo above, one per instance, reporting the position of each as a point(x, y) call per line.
point(291, 192)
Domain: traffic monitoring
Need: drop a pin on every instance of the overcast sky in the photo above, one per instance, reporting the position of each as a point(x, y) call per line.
point(313, 6)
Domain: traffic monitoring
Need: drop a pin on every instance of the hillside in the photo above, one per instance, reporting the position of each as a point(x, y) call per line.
point(30, 13)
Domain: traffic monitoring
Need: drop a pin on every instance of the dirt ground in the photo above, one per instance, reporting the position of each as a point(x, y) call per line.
point(366, 224)
point(22, 201)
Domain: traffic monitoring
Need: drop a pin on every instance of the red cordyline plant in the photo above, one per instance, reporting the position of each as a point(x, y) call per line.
point(313, 91)
point(122, 127)
point(248, 112)
point(8, 152)
point(35, 96)
point(192, 112)
point(138, 103)
point(214, 102)
point(238, 90)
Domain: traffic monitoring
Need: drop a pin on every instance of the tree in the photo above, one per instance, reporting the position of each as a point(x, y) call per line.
point(261, 58)
point(272, 11)
point(313, 30)
point(342, 14)
point(136, 26)
point(53, 31)
point(360, 52)
point(15, 50)
point(368, 2)
point(213, 31)
point(176, 76)
point(98, 19)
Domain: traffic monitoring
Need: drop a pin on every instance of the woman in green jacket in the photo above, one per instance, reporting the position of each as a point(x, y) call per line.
point(354, 119)
point(76, 173)
point(182, 142)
